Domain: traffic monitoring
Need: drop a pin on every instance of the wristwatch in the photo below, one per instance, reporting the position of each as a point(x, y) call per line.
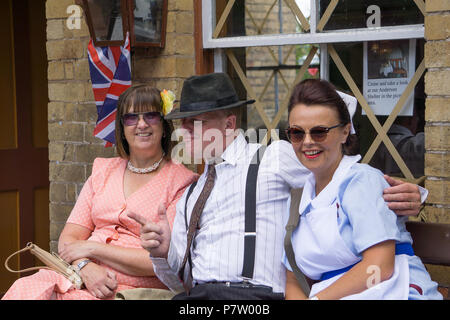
point(80, 265)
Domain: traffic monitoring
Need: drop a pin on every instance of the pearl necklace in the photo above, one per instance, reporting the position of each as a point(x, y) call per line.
point(153, 167)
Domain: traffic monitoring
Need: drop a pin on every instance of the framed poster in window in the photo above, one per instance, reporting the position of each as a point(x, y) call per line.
point(388, 67)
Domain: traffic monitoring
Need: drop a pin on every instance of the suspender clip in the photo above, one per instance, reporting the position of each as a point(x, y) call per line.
point(246, 282)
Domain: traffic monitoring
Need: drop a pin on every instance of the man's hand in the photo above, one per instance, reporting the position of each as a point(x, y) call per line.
point(155, 237)
point(402, 197)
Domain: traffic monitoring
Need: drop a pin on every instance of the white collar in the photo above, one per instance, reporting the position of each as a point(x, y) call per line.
point(235, 150)
point(327, 196)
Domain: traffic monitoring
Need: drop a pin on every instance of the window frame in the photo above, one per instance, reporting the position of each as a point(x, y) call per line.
point(313, 36)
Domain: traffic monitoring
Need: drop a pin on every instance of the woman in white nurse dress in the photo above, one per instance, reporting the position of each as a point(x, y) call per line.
point(348, 240)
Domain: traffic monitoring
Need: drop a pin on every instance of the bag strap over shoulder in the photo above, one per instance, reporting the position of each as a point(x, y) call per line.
point(294, 219)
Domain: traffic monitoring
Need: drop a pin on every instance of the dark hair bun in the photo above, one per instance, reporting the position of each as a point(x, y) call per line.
point(351, 145)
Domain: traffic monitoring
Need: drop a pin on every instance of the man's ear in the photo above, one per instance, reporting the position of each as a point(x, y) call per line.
point(230, 122)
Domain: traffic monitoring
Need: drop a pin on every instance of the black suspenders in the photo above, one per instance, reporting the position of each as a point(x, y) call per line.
point(192, 186)
point(250, 214)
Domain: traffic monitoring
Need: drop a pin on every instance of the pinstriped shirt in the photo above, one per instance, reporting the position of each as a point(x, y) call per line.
point(218, 248)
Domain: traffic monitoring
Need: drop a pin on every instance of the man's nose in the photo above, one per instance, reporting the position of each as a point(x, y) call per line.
point(186, 124)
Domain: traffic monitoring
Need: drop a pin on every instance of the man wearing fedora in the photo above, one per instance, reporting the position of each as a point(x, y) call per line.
point(227, 237)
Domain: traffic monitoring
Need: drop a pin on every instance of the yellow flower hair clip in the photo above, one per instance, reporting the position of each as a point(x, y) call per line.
point(167, 97)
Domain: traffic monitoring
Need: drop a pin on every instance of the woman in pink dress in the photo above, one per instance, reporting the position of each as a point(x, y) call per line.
point(99, 238)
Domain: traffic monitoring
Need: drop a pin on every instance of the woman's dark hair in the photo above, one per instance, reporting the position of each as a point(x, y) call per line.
point(143, 98)
point(320, 92)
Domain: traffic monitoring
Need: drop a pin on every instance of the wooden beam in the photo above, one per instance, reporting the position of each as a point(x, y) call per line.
point(298, 77)
point(249, 88)
point(223, 18)
point(298, 13)
point(421, 5)
point(326, 15)
point(204, 58)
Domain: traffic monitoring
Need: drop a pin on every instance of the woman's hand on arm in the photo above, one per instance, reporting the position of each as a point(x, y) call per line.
point(380, 257)
point(78, 249)
point(99, 281)
point(131, 261)
point(293, 289)
point(72, 233)
point(73, 246)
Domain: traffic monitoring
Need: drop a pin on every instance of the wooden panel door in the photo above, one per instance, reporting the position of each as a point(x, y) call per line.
point(24, 185)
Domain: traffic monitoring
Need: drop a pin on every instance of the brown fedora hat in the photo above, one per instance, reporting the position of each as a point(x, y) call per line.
point(206, 93)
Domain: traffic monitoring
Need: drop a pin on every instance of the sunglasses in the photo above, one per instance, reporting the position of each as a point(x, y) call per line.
point(131, 119)
point(318, 134)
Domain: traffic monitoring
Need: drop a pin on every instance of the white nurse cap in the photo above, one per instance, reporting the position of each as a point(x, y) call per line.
point(351, 102)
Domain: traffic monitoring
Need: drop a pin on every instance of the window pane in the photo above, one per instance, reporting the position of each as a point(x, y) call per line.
point(107, 19)
point(258, 17)
point(271, 72)
point(148, 20)
point(350, 14)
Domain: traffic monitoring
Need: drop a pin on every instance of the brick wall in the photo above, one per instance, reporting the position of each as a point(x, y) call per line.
point(437, 130)
point(437, 116)
point(167, 68)
point(71, 109)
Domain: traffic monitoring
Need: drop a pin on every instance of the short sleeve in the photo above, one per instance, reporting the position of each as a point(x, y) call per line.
point(81, 212)
point(370, 219)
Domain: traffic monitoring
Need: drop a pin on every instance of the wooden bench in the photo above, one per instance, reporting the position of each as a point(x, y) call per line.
point(431, 242)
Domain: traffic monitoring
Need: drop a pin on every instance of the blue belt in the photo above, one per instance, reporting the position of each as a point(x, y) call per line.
point(400, 248)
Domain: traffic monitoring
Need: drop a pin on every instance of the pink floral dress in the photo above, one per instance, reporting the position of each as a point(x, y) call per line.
point(102, 208)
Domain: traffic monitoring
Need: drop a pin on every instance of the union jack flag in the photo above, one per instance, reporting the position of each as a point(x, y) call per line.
point(110, 70)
